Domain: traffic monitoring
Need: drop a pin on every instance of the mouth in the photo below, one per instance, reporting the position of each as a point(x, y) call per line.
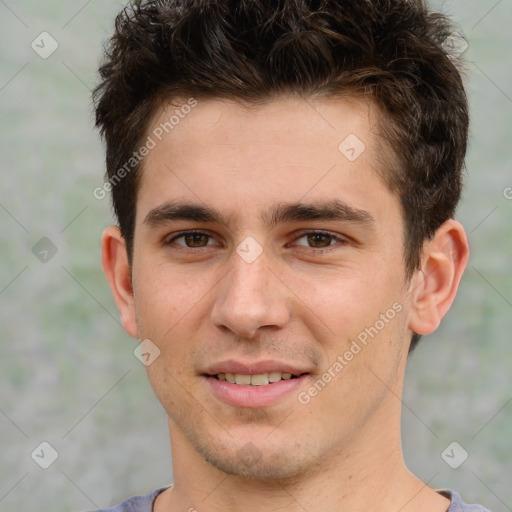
point(260, 379)
point(255, 386)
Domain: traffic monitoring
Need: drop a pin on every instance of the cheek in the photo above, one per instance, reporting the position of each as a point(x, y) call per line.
point(164, 294)
point(171, 308)
point(348, 299)
point(363, 318)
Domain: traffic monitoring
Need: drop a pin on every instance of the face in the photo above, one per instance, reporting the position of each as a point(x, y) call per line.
point(266, 244)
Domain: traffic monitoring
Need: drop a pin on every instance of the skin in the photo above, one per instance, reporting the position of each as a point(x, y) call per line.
point(304, 300)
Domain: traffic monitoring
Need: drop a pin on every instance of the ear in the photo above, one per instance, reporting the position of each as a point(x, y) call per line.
point(117, 269)
point(434, 287)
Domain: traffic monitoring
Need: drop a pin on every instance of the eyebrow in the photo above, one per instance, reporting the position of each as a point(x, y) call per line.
point(335, 210)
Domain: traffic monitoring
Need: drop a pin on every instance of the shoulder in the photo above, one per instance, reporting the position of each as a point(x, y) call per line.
point(458, 505)
point(136, 503)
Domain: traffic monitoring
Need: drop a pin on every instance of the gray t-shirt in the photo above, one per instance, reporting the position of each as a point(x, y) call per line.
point(145, 503)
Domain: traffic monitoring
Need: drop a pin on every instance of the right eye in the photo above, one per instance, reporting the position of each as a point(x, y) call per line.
point(192, 239)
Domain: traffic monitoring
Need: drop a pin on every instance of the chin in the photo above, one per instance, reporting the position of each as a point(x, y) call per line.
point(267, 468)
point(254, 451)
point(259, 459)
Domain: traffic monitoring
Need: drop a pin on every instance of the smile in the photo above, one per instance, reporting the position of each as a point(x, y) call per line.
point(261, 379)
point(256, 391)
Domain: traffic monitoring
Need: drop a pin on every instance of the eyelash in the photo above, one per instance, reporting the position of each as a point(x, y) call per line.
point(331, 247)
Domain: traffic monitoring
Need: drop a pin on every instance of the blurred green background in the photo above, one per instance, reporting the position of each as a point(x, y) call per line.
point(68, 373)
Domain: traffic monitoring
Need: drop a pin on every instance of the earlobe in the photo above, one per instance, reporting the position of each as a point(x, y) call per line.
point(118, 272)
point(435, 287)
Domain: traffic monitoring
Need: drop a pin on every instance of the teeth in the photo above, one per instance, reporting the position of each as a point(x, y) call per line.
point(274, 376)
point(261, 379)
point(242, 379)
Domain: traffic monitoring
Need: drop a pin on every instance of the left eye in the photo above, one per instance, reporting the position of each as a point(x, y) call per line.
point(317, 240)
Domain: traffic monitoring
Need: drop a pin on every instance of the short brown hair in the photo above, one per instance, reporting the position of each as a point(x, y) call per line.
point(251, 50)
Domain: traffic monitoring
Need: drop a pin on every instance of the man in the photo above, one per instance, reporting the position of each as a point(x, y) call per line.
point(285, 176)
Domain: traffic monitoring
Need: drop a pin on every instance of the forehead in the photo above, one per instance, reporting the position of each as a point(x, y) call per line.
point(267, 121)
point(229, 154)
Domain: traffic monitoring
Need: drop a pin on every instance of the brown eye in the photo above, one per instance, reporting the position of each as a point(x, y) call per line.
point(319, 240)
point(196, 239)
point(193, 240)
point(323, 241)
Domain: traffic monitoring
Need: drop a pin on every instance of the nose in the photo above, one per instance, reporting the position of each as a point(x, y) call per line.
point(249, 298)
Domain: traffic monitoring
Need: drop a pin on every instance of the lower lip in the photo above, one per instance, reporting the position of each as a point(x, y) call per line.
point(254, 396)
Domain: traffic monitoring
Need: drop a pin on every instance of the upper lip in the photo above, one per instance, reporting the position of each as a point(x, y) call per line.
point(253, 368)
